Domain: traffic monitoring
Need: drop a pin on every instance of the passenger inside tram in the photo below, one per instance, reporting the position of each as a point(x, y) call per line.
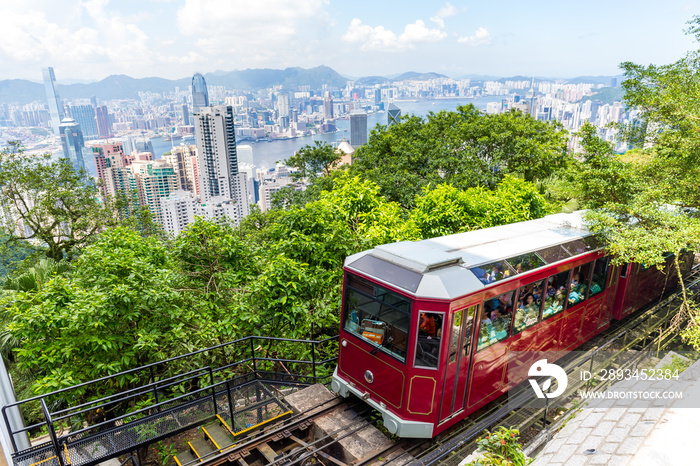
point(528, 312)
point(496, 318)
point(429, 333)
point(579, 284)
point(427, 324)
point(556, 294)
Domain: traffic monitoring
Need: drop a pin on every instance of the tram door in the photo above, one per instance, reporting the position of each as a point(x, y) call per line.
point(455, 380)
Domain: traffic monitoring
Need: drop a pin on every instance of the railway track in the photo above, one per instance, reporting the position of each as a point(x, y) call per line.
point(296, 442)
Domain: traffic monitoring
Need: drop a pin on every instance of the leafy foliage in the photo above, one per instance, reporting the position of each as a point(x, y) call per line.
point(55, 204)
point(446, 210)
point(501, 447)
point(601, 177)
point(313, 161)
point(465, 148)
point(117, 310)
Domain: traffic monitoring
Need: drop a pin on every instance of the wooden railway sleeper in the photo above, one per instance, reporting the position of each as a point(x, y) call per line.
point(333, 436)
point(318, 452)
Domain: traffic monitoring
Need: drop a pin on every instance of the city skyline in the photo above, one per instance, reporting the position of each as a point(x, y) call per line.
point(93, 39)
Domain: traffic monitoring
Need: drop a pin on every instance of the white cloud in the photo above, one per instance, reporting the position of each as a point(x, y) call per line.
point(480, 37)
point(31, 37)
point(446, 11)
point(241, 29)
point(380, 38)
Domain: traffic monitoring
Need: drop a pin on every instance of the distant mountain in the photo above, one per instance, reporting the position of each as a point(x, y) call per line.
point(480, 77)
point(372, 80)
point(605, 80)
point(413, 76)
point(606, 95)
point(289, 78)
point(125, 87)
point(20, 90)
point(119, 86)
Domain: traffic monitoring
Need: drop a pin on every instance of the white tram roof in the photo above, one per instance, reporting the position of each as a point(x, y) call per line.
point(451, 266)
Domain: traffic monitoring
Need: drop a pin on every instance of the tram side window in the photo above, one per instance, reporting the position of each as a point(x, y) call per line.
point(461, 332)
point(623, 269)
point(578, 292)
point(600, 276)
point(428, 341)
point(496, 319)
point(556, 294)
point(527, 312)
point(377, 315)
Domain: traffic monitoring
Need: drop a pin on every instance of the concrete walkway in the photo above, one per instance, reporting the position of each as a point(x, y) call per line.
point(632, 432)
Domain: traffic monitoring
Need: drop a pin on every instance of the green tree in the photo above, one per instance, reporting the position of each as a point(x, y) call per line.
point(312, 161)
point(50, 202)
point(464, 148)
point(119, 308)
point(600, 176)
point(445, 210)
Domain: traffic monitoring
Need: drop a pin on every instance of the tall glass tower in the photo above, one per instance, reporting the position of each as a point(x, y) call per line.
point(200, 96)
point(72, 143)
point(358, 129)
point(393, 115)
point(55, 107)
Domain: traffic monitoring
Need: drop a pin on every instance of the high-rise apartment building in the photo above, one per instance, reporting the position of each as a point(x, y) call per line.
point(154, 181)
point(200, 95)
point(72, 143)
point(104, 125)
point(215, 135)
point(54, 101)
point(218, 160)
point(283, 110)
point(108, 156)
point(84, 115)
point(179, 210)
point(393, 115)
point(358, 129)
point(185, 162)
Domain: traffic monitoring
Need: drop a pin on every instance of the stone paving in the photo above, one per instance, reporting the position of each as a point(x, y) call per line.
point(632, 432)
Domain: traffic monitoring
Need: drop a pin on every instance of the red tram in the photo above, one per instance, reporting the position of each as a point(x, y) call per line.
point(427, 326)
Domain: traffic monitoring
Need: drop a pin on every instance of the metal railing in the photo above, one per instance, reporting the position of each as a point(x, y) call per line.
point(100, 419)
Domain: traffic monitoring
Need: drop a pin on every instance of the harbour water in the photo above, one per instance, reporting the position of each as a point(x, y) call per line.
point(266, 154)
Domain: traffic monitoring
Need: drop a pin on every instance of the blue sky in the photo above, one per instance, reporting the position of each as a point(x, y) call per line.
point(91, 39)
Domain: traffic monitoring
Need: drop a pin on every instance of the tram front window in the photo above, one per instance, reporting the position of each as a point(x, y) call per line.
point(429, 337)
point(377, 315)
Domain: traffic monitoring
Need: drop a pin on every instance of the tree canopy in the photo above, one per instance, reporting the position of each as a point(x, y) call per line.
point(48, 202)
point(465, 148)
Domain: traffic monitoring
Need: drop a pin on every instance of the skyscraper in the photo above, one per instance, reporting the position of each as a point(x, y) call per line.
point(104, 126)
point(55, 106)
point(393, 115)
point(358, 129)
point(220, 179)
point(84, 115)
point(283, 109)
point(216, 147)
point(328, 105)
point(72, 143)
point(185, 115)
point(200, 96)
